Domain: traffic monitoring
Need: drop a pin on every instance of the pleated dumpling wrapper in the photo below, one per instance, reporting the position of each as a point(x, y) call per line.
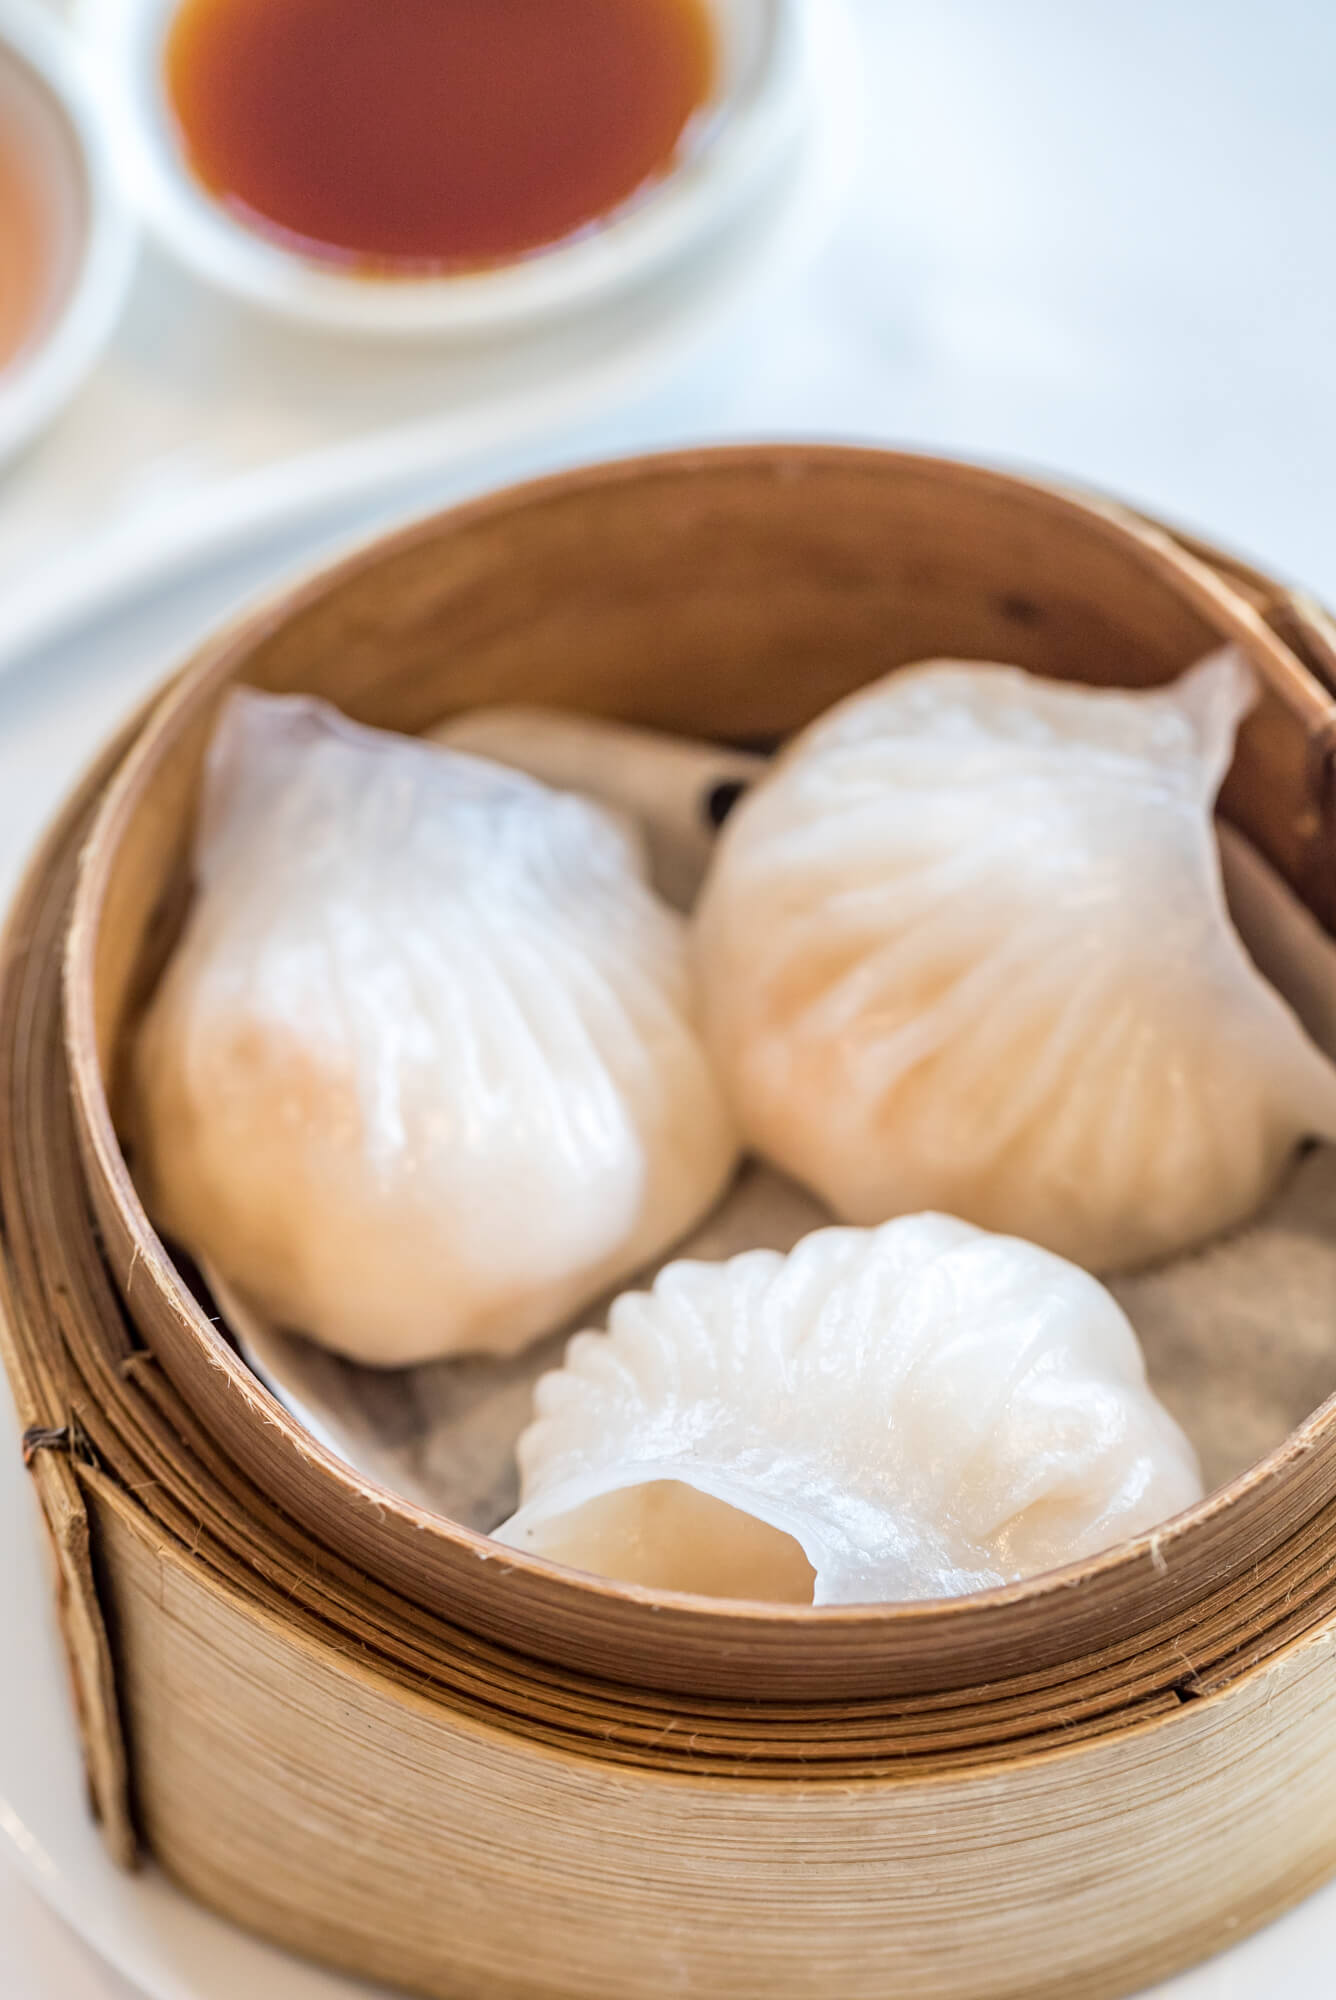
point(966, 947)
point(422, 1075)
point(913, 1411)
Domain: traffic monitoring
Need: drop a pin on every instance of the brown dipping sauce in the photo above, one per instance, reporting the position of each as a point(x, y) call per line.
point(432, 135)
point(24, 272)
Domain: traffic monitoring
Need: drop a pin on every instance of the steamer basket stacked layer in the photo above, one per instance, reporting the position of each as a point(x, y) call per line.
point(383, 1741)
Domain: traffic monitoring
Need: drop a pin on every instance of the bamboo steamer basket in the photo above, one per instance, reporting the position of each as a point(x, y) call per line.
point(383, 1741)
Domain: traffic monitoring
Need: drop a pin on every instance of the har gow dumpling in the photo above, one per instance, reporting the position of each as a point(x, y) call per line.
point(966, 947)
point(915, 1411)
point(422, 1075)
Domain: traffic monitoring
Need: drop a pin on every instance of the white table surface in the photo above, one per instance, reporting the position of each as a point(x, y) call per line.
point(1093, 238)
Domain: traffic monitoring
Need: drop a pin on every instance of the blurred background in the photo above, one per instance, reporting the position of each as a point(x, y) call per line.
point(1092, 240)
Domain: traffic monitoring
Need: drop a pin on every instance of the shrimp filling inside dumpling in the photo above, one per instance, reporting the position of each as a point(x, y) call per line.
point(914, 1411)
point(666, 1535)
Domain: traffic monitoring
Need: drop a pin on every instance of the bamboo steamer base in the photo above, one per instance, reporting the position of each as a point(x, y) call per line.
point(525, 1874)
point(390, 1746)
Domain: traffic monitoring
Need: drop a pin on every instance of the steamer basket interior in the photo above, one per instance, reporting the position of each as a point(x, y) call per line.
point(733, 595)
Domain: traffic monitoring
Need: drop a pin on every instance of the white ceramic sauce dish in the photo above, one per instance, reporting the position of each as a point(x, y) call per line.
point(58, 145)
point(745, 135)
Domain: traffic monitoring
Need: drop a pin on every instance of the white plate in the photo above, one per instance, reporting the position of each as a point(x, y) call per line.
point(208, 425)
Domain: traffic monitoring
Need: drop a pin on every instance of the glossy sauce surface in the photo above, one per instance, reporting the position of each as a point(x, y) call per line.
point(23, 261)
point(419, 135)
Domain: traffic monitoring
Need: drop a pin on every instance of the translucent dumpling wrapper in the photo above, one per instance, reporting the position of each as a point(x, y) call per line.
point(919, 1410)
point(677, 790)
point(966, 947)
point(422, 1075)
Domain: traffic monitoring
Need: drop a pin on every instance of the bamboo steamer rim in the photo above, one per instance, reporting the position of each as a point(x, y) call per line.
point(555, 1597)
